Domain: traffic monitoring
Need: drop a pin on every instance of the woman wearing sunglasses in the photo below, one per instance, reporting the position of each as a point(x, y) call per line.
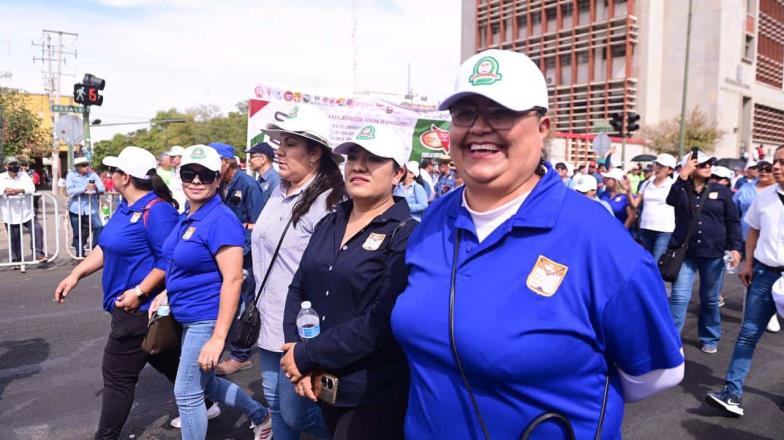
point(352, 272)
point(707, 210)
point(525, 300)
point(129, 251)
point(310, 187)
point(203, 260)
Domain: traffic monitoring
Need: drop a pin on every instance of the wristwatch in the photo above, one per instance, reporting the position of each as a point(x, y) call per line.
point(138, 291)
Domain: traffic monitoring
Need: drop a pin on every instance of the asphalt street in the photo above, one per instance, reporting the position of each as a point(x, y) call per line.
point(50, 374)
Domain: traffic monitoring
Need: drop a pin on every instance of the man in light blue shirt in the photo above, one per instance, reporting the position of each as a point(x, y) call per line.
point(83, 187)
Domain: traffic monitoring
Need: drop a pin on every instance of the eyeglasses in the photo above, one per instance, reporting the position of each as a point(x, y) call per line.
point(499, 118)
point(765, 168)
point(113, 170)
point(205, 176)
point(705, 165)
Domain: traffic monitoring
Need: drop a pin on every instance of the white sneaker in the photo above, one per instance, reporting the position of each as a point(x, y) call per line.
point(263, 431)
point(773, 325)
point(212, 412)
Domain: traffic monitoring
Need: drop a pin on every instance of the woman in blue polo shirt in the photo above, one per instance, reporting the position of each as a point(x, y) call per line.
point(352, 271)
point(129, 251)
point(618, 199)
point(525, 301)
point(203, 279)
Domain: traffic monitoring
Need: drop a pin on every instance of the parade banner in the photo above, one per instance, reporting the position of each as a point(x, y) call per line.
point(426, 133)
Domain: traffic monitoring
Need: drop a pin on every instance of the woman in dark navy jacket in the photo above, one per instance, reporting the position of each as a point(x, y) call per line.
point(129, 251)
point(352, 272)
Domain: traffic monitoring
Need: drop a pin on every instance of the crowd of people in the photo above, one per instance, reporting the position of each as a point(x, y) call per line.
point(446, 302)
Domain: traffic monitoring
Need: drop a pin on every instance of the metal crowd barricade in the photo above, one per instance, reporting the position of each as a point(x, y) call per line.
point(40, 205)
point(106, 205)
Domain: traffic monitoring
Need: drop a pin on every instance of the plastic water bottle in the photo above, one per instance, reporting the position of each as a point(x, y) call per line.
point(163, 310)
point(728, 267)
point(308, 322)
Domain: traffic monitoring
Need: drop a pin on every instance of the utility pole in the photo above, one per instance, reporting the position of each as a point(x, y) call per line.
point(52, 52)
point(685, 86)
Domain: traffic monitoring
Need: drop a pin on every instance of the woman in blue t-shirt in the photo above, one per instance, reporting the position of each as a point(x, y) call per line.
point(413, 189)
point(616, 195)
point(203, 278)
point(129, 251)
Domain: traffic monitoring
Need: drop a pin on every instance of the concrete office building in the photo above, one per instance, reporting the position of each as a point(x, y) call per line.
point(606, 56)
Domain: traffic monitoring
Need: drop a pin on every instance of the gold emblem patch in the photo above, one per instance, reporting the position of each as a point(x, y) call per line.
point(188, 233)
point(135, 217)
point(546, 276)
point(713, 195)
point(373, 241)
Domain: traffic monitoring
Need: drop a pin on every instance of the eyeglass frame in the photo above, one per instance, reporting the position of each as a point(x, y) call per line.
point(540, 111)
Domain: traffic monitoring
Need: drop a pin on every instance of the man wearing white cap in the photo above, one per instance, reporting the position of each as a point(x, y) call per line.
point(521, 289)
point(17, 211)
point(586, 185)
point(83, 187)
point(175, 183)
point(657, 218)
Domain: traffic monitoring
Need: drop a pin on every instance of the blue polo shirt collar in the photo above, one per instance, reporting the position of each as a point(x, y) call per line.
point(265, 177)
point(539, 210)
point(204, 210)
point(139, 204)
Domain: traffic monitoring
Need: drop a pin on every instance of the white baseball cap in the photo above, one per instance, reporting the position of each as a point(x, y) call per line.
point(304, 120)
point(133, 161)
point(380, 140)
point(723, 172)
point(614, 173)
point(203, 155)
point(509, 78)
point(701, 158)
point(584, 183)
point(176, 150)
point(413, 166)
point(666, 160)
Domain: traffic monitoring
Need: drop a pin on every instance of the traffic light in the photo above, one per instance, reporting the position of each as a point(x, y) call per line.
point(86, 92)
point(631, 122)
point(616, 122)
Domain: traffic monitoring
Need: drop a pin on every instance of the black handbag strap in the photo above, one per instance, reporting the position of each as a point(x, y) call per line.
point(697, 213)
point(540, 419)
point(271, 263)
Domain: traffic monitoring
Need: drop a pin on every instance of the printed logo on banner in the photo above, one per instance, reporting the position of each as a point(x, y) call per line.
point(293, 113)
point(430, 139)
point(485, 72)
point(367, 133)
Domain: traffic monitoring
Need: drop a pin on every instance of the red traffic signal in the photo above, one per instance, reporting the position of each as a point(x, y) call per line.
point(87, 95)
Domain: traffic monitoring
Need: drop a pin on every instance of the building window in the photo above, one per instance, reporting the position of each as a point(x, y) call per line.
point(536, 18)
point(522, 21)
point(494, 28)
point(566, 10)
point(584, 5)
point(748, 49)
point(619, 51)
point(551, 13)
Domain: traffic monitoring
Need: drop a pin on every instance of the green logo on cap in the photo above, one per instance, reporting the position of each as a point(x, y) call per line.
point(293, 113)
point(198, 153)
point(367, 133)
point(485, 72)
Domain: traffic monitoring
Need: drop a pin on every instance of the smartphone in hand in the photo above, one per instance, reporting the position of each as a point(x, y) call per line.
point(695, 151)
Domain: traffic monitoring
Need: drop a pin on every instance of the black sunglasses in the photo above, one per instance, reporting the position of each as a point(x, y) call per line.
point(499, 118)
point(205, 176)
point(113, 170)
point(705, 165)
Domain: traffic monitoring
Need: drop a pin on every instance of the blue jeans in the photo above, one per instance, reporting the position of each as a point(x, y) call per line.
point(711, 272)
point(291, 414)
point(192, 384)
point(759, 308)
point(79, 241)
point(654, 242)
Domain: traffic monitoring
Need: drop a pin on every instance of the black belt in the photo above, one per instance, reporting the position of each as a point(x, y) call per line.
point(773, 269)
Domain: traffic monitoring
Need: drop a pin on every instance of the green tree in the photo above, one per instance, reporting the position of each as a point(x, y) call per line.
point(21, 129)
point(665, 136)
point(203, 124)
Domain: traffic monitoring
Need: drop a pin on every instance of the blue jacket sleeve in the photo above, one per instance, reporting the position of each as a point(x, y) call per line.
point(421, 199)
point(73, 187)
point(350, 341)
point(732, 221)
point(678, 197)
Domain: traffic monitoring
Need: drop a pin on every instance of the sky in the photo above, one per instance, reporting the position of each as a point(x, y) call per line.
point(161, 54)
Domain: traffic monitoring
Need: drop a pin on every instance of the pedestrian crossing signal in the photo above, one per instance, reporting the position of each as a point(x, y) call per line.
point(87, 95)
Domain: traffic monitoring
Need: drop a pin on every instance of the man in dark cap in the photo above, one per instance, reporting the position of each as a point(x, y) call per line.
point(261, 158)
